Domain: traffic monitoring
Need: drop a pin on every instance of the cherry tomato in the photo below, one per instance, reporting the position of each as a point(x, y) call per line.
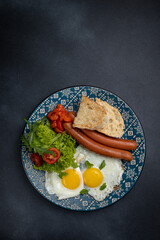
point(50, 114)
point(53, 124)
point(36, 159)
point(59, 125)
point(54, 117)
point(59, 106)
point(58, 115)
point(50, 158)
point(57, 110)
point(61, 115)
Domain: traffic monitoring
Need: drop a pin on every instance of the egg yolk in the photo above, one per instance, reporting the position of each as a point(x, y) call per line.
point(92, 177)
point(71, 180)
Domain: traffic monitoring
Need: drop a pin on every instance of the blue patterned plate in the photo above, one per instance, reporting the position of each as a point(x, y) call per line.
point(70, 98)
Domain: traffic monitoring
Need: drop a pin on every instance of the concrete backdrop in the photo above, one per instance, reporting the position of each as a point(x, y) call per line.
point(49, 45)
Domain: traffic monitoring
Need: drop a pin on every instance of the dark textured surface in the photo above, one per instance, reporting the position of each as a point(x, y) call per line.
point(49, 45)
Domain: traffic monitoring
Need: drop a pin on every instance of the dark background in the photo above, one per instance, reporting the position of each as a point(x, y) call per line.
point(48, 45)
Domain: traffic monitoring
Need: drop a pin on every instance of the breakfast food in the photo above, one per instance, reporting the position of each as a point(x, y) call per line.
point(58, 116)
point(110, 141)
point(51, 151)
point(113, 123)
point(90, 115)
point(95, 166)
point(106, 119)
point(69, 185)
point(100, 174)
point(96, 175)
point(95, 146)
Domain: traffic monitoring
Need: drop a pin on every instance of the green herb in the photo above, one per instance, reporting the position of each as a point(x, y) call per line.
point(61, 174)
point(88, 164)
point(74, 165)
point(103, 164)
point(102, 187)
point(25, 142)
point(41, 137)
point(29, 124)
point(83, 191)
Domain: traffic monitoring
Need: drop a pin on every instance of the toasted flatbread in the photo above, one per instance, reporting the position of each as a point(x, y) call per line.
point(113, 124)
point(90, 115)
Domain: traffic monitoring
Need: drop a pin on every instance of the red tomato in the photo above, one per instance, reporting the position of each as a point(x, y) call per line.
point(54, 117)
point(36, 159)
point(59, 125)
point(61, 115)
point(53, 124)
point(58, 115)
point(59, 106)
point(50, 158)
point(57, 110)
point(50, 114)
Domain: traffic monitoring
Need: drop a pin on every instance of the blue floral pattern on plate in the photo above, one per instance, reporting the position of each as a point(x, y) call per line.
point(70, 98)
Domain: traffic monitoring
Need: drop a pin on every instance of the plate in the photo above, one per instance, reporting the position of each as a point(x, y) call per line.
point(70, 98)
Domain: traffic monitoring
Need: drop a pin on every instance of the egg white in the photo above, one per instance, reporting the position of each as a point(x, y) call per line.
point(112, 172)
point(54, 185)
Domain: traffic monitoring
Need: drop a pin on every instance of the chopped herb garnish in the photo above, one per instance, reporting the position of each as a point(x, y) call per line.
point(61, 174)
point(74, 165)
point(102, 187)
point(83, 191)
point(88, 164)
point(103, 164)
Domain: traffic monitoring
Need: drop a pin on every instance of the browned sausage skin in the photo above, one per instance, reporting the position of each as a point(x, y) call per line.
point(94, 146)
point(109, 141)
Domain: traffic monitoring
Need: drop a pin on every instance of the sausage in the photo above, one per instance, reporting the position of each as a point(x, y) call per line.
point(72, 115)
point(110, 141)
point(94, 146)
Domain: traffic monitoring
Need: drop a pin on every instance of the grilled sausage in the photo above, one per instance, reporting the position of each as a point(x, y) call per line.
point(94, 146)
point(110, 141)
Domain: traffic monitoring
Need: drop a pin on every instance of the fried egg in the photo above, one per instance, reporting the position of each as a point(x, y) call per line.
point(67, 186)
point(99, 182)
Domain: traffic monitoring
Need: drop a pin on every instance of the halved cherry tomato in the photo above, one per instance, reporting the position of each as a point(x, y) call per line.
point(36, 159)
point(50, 114)
point(59, 106)
point(54, 117)
point(57, 110)
point(50, 158)
point(61, 115)
point(59, 125)
point(58, 115)
point(53, 124)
